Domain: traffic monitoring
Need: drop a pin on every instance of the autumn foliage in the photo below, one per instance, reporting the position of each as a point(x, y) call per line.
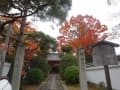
point(81, 31)
point(31, 46)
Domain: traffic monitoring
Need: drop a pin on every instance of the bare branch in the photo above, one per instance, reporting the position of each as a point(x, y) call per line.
point(31, 51)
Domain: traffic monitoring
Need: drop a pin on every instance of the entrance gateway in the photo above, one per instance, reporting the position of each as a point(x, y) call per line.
point(53, 62)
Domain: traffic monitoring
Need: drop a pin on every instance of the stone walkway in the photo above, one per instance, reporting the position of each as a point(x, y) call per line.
point(53, 82)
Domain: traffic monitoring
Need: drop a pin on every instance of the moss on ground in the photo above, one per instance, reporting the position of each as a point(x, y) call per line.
point(90, 87)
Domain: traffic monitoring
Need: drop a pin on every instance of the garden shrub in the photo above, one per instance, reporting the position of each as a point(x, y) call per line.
point(71, 75)
point(92, 84)
point(35, 76)
point(101, 84)
point(41, 63)
point(66, 61)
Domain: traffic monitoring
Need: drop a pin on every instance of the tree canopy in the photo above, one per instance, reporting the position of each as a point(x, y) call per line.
point(81, 31)
point(35, 42)
point(66, 49)
point(45, 9)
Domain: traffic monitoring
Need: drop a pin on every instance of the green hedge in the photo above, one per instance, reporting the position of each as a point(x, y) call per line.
point(71, 75)
point(66, 61)
point(41, 63)
point(35, 76)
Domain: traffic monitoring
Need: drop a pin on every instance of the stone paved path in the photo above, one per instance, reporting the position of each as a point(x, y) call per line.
point(53, 82)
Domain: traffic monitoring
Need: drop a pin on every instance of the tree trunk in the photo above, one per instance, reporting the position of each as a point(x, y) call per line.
point(5, 49)
point(16, 78)
point(17, 68)
point(19, 41)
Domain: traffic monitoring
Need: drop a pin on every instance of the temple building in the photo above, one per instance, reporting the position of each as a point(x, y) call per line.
point(54, 62)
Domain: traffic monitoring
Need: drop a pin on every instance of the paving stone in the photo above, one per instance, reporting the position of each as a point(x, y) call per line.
point(53, 82)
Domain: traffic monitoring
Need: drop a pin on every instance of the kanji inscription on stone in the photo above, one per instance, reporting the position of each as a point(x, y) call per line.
point(82, 65)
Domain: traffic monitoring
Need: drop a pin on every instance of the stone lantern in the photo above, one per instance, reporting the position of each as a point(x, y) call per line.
point(103, 53)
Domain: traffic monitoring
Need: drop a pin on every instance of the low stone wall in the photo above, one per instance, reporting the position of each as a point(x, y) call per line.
point(6, 69)
point(97, 75)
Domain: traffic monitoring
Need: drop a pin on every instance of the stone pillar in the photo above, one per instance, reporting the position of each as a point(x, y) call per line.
point(82, 72)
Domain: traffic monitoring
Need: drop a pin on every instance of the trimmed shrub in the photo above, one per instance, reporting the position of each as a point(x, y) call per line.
point(41, 63)
point(35, 76)
point(101, 84)
point(71, 75)
point(66, 61)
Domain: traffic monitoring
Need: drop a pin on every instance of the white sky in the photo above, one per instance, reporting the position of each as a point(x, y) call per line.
point(97, 8)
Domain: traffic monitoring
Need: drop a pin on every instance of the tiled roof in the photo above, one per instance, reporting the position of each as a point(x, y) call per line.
point(53, 57)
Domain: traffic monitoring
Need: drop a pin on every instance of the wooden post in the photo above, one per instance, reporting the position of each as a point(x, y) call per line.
point(5, 49)
point(17, 68)
point(107, 75)
point(82, 72)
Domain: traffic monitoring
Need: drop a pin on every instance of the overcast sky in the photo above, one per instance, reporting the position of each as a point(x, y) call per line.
point(97, 8)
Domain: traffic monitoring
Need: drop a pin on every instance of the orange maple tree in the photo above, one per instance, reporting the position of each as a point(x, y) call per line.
point(31, 46)
point(81, 31)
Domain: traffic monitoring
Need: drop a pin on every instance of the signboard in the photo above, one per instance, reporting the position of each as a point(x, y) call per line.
point(104, 54)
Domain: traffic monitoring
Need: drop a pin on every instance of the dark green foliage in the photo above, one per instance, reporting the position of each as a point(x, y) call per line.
point(101, 84)
point(88, 58)
point(57, 10)
point(61, 55)
point(67, 49)
point(35, 76)
point(10, 59)
point(71, 75)
point(4, 6)
point(66, 61)
point(39, 62)
point(45, 9)
point(45, 42)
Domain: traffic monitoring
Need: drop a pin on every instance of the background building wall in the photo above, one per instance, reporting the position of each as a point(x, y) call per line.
point(97, 75)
